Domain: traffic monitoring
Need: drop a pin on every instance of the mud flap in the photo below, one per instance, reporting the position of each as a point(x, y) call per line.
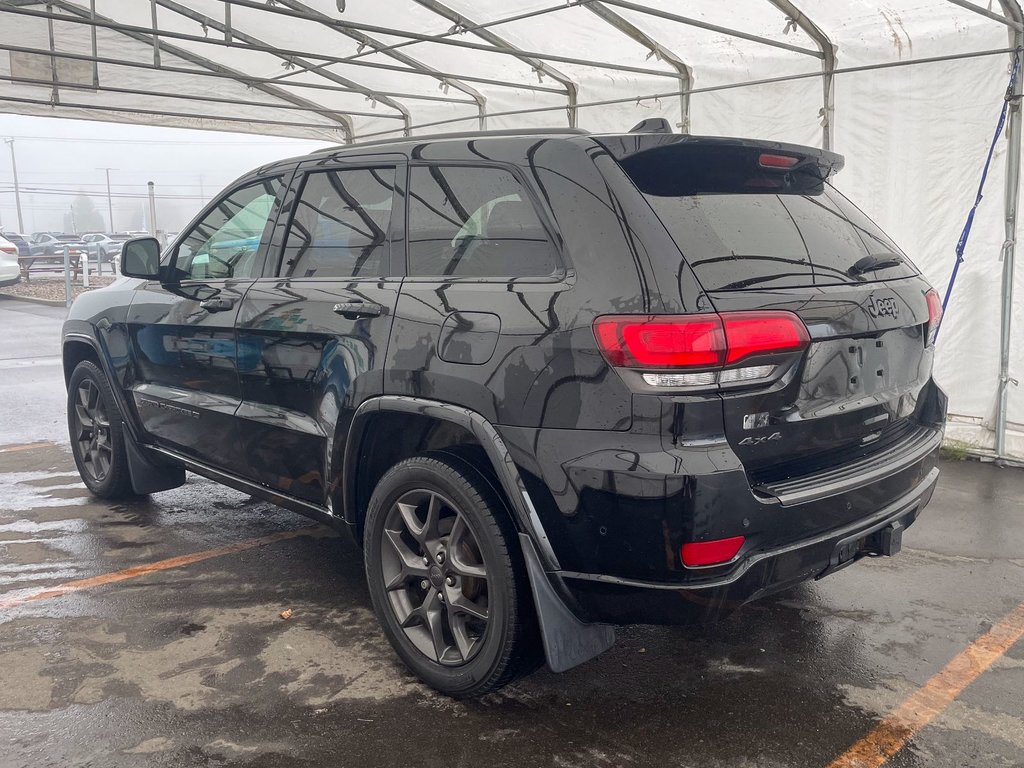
point(147, 475)
point(568, 641)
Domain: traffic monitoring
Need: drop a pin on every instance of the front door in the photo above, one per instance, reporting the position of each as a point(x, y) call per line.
point(313, 335)
point(184, 380)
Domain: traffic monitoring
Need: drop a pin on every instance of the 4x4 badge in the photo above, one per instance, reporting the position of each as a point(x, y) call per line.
point(883, 307)
point(761, 439)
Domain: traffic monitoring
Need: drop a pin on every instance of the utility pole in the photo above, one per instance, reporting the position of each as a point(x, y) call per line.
point(17, 190)
point(110, 205)
point(152, 209)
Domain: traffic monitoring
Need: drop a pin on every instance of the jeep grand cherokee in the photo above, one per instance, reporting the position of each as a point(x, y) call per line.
point(552, 381)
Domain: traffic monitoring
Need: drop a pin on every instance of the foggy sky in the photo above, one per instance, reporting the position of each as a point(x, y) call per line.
point(186, 165)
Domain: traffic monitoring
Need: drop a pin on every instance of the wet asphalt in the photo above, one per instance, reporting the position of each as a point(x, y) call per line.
point(194, 666)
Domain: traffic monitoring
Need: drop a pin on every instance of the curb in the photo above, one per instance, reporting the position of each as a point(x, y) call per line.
point(32, 300)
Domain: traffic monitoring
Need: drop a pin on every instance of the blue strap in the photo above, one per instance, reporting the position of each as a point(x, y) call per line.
point(961, 244)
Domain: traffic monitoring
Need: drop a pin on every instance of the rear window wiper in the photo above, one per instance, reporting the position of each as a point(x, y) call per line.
point(875, 261)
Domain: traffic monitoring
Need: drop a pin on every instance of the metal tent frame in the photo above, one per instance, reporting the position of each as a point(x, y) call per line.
point(310, 74)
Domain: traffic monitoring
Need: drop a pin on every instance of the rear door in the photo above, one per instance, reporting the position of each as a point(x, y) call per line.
point(313, 333)
point(477, 323)
point(762, 230)
point(185, 375)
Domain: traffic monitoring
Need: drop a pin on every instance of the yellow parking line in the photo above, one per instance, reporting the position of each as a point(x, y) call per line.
point(928, 702)
point(24, 447)
point(135, 571)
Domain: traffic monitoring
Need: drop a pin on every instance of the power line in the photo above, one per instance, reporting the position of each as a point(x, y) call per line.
point(281, 143)
point(119, 195)
point(101, 185)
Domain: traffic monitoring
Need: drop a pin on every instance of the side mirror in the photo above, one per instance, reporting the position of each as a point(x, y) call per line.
point(141, 258)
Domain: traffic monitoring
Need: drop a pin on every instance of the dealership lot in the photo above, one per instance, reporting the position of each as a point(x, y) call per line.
point(254, 648)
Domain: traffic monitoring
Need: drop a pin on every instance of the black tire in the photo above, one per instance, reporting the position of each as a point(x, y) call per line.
point(97, 433)
point(487, 653)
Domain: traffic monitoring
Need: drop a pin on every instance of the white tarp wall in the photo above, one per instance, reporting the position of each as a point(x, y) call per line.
point(915, 137)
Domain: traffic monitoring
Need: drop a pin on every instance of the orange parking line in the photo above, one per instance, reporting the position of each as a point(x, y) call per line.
point(928, 702)
point(25, 447)
point(135, 571)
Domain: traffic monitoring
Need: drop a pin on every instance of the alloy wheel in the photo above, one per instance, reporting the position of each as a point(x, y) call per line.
point(92, 431)
point(435, 576)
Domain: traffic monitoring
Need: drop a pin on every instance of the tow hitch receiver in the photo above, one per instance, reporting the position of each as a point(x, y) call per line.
point(887, 541)
point(890, 539)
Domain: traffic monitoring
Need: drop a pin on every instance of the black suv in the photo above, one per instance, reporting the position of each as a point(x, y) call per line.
point(552, 381)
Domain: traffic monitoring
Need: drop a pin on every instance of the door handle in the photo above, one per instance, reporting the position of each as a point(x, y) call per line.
point(217, 304)
point(356, 309)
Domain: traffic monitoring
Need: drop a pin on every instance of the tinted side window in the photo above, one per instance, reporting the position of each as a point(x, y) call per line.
point(224, 244)
point(474, 222)
point(340, 224)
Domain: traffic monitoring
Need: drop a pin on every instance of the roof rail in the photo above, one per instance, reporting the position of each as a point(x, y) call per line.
point(555, 130)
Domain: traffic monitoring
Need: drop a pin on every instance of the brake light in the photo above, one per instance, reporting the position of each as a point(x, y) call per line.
point(767, 160)
point(696, 554)
point(709, 343)
point(754, 333)
point(934, 314)
point(630, 341)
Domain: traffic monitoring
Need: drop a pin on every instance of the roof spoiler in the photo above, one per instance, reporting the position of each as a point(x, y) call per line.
point(652, 125)
point(629, 147)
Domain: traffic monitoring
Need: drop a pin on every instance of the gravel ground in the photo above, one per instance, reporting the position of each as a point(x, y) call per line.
point(51, 288)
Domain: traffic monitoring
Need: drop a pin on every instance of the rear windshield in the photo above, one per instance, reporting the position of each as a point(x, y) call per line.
point(740, 225)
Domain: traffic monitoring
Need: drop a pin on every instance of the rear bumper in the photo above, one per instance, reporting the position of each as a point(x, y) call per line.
point(617, 507)
point(10, 273)
point(871, 469)
point(603, 598)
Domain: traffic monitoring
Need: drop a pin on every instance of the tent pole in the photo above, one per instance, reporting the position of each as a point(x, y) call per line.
point(988, 14)
point(632, 31)
point(223, 74)
point(540, 67)
point(210, 68)
point(156, 29)
point(1012, 11)
point(365, 40)
point(1011, 197)
point(724, 87)
point(828, 65)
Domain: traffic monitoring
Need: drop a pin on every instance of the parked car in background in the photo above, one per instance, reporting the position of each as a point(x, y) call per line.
point(104, 246)
point(10, 271)
point(550, 380)
point(21, 241)
point(50, 244)
point(48, 247)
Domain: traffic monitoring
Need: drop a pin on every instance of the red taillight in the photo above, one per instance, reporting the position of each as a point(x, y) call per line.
point(699, 553)
point(755, 333)
point(697, 341)
point(934, 313)
point(777, 161)
point(631, 341)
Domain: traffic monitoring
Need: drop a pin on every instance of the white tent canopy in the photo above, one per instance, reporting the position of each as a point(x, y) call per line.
point(908, 90)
